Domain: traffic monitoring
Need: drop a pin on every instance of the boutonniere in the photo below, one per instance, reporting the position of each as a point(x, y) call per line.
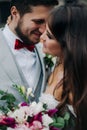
point(49, 61)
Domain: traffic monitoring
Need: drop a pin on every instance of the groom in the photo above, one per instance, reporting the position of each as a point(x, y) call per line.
point(21, 60)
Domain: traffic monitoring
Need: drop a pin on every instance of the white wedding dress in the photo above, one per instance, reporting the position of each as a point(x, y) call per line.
point(52, 102)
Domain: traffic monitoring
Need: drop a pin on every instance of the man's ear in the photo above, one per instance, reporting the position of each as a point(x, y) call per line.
point(14, 12)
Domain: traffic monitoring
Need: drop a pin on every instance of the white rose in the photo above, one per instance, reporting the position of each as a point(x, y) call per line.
point(36, 107)
point(49, 100)
point(46, 120)
point(19, 127)
point(21, 114)
point(46, 128)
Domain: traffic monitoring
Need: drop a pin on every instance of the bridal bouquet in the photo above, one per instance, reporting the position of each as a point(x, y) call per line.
point(29, 116)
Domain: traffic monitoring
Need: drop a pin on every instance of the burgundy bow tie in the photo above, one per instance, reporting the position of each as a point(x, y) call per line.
point(19, 45)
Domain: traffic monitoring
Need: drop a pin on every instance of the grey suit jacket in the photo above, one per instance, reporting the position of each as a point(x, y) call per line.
point(10, 72)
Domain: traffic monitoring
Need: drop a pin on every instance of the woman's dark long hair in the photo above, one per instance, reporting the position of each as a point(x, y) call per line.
point(68, 23)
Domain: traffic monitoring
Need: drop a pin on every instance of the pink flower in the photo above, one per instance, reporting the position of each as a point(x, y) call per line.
point(36, 125)
point(24, 104)
point(37, 117)
point(20, 127)
point(51, 112)
point(7, 121)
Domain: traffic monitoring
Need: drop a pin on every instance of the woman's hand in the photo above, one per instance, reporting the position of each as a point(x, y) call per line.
point(8, 20)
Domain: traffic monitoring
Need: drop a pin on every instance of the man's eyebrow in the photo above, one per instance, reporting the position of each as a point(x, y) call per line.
point(39, 21)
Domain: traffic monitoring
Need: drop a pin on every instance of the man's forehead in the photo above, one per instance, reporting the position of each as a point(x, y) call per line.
point(38, 16)
point(38, 13)
point(40, 9)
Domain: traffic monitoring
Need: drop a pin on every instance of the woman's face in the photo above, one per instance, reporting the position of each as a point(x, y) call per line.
point(50, 44)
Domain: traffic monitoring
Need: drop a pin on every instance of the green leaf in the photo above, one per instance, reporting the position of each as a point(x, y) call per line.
point(58, 125)
point(48, 60)
point(59, 122)
point(2, 92)
point(72, 122)
point(54, 120)
point(4, 109)
point(45, 106)
point(67, 116)
point(3, 127)
point(8, 98)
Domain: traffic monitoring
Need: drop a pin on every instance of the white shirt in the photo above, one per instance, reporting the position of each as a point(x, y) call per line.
point(28, 67)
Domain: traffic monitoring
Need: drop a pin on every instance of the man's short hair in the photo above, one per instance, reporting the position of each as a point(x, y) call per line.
point(24, 6)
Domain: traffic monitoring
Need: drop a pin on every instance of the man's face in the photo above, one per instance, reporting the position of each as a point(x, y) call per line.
point(31, 25)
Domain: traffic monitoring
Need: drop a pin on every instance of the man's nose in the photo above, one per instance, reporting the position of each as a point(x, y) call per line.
point(42, 28)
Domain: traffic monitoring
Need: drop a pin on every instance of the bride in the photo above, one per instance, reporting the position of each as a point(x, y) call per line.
point(66, 37)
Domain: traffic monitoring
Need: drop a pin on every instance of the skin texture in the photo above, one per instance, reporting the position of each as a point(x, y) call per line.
point(30, 26)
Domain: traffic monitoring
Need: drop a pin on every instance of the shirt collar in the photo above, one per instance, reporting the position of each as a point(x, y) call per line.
point(10, 36)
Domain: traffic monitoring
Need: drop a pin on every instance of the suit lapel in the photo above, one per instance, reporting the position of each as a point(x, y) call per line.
point(8, 62)
point(40, 54)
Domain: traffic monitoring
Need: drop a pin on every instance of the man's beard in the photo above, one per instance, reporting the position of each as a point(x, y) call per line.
point(23, 37)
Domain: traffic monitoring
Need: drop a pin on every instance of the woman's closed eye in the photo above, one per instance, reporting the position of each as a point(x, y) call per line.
point(49, 35)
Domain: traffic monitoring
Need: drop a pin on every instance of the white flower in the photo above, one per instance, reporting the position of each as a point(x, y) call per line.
point(54, 59)
point(39, 108)
point(10, 128)
point(22, 114)
point(23, 89)
point(49, 100)
point(46, 128)
point(46, 120)
point(10, 113)
point(29, 92)
point(19, 127)
point(49, 56)
point(1, 113)
point(36, 107)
